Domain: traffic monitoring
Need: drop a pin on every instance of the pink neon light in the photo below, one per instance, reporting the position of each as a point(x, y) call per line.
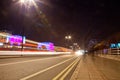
point(15, 39)
point(49, 46)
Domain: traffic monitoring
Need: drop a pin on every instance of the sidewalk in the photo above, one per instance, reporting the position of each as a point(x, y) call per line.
point(86, 70)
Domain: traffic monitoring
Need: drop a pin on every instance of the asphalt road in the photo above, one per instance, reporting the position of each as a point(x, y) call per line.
point(38, 68)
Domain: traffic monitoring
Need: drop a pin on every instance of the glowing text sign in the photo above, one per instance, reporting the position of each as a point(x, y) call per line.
point(15, 39)
point(48, 45)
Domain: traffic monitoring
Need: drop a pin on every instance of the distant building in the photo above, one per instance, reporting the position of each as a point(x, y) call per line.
point(46, 46)
point(3, 36)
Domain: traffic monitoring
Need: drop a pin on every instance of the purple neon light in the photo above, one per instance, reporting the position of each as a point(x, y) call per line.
point(49, 46)
point(15, 39)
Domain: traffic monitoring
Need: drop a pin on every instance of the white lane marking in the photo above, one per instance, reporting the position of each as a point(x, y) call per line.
point(44, 70)
point(27, 61)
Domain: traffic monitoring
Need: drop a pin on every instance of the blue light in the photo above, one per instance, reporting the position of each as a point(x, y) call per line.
point(118, 45)
point(112, 45)
point(24, 38)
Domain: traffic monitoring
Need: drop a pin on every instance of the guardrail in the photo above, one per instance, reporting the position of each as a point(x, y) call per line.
point(111, 51)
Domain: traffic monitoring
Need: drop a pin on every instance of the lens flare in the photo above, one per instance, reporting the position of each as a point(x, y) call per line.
point(22, 1)
point(79, 52)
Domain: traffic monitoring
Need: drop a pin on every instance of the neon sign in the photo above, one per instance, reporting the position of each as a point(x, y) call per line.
point(15, 39)
point(49, 46)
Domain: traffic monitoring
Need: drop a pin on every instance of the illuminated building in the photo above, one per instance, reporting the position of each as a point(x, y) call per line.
point(15, 39)
point(46, 46)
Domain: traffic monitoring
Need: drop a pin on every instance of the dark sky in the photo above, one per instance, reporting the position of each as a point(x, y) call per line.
point(82, 19)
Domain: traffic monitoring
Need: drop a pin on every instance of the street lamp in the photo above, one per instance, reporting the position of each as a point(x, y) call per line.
point(28, 4)
point(25, 4)
point(68, 38)
point(22, 1)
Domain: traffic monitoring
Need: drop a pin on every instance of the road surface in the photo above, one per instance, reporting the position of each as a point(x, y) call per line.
point(110, 69)
point(38, 68)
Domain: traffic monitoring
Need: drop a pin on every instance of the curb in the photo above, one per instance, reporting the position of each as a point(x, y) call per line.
point(5, 57)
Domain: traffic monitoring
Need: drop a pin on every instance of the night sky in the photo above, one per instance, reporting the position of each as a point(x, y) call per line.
point(82, 19)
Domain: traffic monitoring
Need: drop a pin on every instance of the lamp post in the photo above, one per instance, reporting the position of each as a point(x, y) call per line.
point(25, 4)
point(76, 46)
point(68, 38)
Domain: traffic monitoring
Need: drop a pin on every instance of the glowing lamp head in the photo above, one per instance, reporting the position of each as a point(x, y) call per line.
point(22, 1)
point(69, 37)
point(66, 37)
point(27, 3)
